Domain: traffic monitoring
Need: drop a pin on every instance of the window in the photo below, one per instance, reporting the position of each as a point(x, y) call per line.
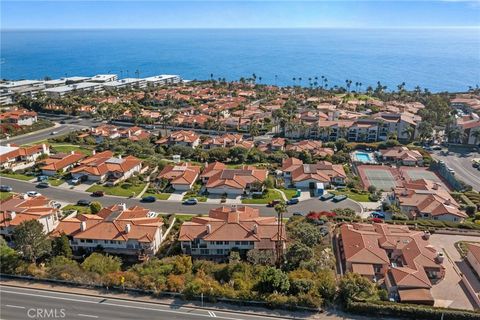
point(89, 241)
point(219, 243)
point(226, 242)
point(244, 243)
point(252, 243)
point(219, 251)
point(204, 251)
point(237, 243)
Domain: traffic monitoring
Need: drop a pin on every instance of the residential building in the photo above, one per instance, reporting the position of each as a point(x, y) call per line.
point(61, 162)
point(221, 180)
point(20, 117)
point(473, 256)
point(80, 87)
point(469, 129)
point(425, 199)
point(162, 79)
point(133, 231)
point(20, 208)
point(181, 176)
point(307, 176)
point(103, 78)
point(225, 229)
point(104, 166)
point(227, 140)
point(126, 83)
point(402, 155)
point(393, 256)
point(182, 138)
point(314, 147)
point(28, 88)
point(16, 158)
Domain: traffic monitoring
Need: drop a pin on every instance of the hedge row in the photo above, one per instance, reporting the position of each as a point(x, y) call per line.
point(409, 311)
point(437, 224)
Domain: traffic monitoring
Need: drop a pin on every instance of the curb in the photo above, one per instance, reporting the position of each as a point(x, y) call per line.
point(151, 302)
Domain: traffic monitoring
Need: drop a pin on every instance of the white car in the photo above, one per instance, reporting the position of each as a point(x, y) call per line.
point(33, 194)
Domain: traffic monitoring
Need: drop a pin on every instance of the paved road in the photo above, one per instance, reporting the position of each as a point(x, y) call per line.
point(460, 160)
point(43, 134)
point(72, 196)
point(23, 303)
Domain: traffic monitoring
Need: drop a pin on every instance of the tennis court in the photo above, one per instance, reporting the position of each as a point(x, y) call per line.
point(417, 173)
point(381, 177)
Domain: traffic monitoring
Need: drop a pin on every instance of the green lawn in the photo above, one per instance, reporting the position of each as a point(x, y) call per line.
point(118, 190)
point(159, 196)
point(266, 198)
point(17, 176)
point(55, 182)
point(352, 195)
point(5, 195)
point(198, 197)
point(79, 209)
point(184, 217)
point(289, 193)
point(67, 148)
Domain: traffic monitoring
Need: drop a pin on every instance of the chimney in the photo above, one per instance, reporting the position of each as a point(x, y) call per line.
point(209, 228)
point(9, 145)
point(255, 228)
point(13, 214)
point(447, 202)
point(123, 206)
point(94, 152)
point(83, 226)
point(128, 228)
point(439, 258)
point(72, 152)
point(44, 148)
point(435, 186)
point(119, 156)
point(426, 235)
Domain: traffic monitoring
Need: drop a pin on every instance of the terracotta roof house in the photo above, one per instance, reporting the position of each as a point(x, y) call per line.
point(134, 134)
point(219, 180)
point(182, 137)
point(227, 140)
point(105, 131)
point(20, 208)
point(104, 166)
point(16, 158)
point(225, 228)
point(275, 144)
point(473, 256)
point(401, 258)
point(402, 155)
point(181, 176)
point(314, 147)
point(305, 176)
point(133, 231)
point(61, 162)
point(19, 117)
point(425, 199)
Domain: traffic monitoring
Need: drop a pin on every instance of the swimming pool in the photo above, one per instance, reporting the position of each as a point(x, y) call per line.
point(363, 157)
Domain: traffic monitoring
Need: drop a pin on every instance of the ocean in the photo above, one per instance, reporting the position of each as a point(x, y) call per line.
point(437, 59)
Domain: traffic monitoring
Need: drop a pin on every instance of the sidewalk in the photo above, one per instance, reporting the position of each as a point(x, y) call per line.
point(275, 314)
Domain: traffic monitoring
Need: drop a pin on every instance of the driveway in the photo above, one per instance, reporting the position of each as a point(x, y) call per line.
point(450, 292)
point(177, 196)
point(460, 160)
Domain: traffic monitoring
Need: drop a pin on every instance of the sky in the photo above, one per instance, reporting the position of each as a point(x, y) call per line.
point(70, 14)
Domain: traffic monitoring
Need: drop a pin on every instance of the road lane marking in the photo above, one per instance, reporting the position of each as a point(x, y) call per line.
point(12, 306)
point(212, 314)
point(87, 315)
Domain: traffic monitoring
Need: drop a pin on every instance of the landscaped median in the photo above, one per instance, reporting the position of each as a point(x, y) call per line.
point(124, 189)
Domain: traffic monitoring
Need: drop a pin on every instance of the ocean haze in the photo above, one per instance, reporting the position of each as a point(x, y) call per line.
point(438, 59)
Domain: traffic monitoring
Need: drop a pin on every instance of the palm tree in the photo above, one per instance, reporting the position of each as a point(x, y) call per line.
point(254, 129)
point(294, 81)
point(280, 209)
point(476, 134)
point(409, 132)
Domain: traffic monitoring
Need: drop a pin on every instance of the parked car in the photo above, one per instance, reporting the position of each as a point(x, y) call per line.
point(53, 133)
point(293, 201)
point(191, 201)
point(324, 231)
point(5, 188)
point(273, 203)
point(98, 193)
point(43, 185)
point(437, 148)
point(83, 202)
point(379, 215)
point(339, 198)
point(326, 196)
point(42, 178)
point(75, 181)
point(33, 194)
point(297, 214)
point(149, 199)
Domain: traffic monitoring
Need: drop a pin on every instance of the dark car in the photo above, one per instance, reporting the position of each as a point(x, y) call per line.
point(293, 201)
point(5, 188)
point(297, 214)
point(43, 185)
point(326, 196)
point(83, 202)
point(98, 193)
point(149, 199)
point(339, 198)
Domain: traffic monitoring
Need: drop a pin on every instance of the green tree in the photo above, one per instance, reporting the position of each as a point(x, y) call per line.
point(354, 286)
point(61, 247)
point(31, 241)
point(273, 280)
point(304, 232)
point(61, 267)
point(297, 253)
point(262, 257)
point(9, 258)
point(95, 207)
point(101, 264)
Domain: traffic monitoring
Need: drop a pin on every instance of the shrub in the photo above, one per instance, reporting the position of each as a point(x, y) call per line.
point(399, 216)
point(95, 207)
point(273, 280)
point(101, 264)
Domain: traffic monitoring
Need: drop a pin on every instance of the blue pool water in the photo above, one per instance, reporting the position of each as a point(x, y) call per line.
point(363, 157)
point(438, 59)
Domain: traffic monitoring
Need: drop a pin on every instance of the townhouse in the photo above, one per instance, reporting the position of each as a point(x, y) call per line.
point(227, 140)
point(425, 199)
point(60, 162)
point(133, 231)
point(181, 138)
point(16, 158)
point(473, 256)
point(126, 83)
point(469, 129)
point(308, 176)
point(74, 88)
point(19, 117)
point(181, 176)
point(103, 166)
point(21, 208)
point(402, 155)
point(393, 256)
point(273, 145)
point(231, 228)
point(219, 179)
point(314, 147)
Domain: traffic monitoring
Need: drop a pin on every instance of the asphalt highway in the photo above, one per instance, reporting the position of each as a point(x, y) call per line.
point(72, 196)
point(26, 303)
